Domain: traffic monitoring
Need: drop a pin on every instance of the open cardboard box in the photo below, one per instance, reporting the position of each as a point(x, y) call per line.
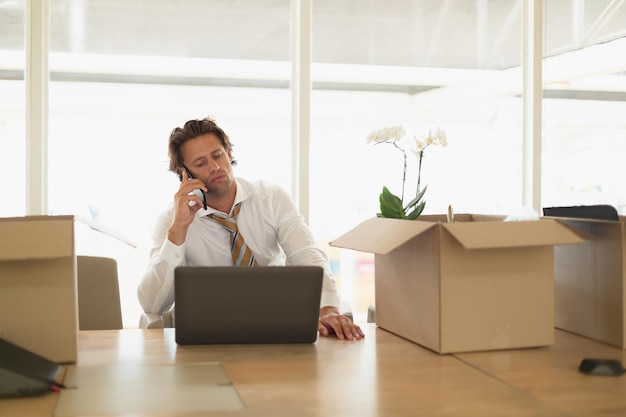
point(590, 285)
point(38, 292)
point(476, 284)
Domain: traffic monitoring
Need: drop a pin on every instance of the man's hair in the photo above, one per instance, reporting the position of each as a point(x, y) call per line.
point(191, 130)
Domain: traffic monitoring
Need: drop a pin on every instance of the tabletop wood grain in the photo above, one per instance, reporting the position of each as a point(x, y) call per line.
point(382, 375)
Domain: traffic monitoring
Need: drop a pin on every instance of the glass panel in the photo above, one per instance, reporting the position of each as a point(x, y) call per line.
point(571, 25)
point(584, 103)
point(124, 74)
point(418, 33)
point(12, 109)
point(423, 65)
point(224, 29)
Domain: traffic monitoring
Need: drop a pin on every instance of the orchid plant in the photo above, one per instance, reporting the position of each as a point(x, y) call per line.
point(392, 206)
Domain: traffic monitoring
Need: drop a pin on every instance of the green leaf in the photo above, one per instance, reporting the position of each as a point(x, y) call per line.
point(390, 211)
point(417, 211)
point(417, 198)
point(390, 205)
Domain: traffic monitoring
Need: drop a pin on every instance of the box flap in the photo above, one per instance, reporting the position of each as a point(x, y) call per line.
point(621, 219)
point(36, 237)
point(495, 234)
point(381, 235)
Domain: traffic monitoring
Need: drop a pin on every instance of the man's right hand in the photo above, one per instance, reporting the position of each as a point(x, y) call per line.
point(186, 205)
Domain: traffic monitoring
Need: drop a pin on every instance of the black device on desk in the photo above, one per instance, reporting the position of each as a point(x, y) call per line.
point(24, 373)
point(605, 367)
point(595, 212)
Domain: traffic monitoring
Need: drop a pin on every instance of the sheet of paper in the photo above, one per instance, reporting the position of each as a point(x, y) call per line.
point(146, 389)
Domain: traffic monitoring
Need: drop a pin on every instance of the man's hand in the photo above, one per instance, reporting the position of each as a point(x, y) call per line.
point(186, 205)
point(331, 321)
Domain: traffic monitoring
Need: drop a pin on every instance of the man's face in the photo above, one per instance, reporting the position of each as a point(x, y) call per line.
point(208, 160)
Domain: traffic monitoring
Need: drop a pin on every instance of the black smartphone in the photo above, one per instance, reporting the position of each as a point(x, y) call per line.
point(196, 191)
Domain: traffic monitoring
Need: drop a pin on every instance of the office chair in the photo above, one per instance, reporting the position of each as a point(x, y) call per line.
point(98, 294)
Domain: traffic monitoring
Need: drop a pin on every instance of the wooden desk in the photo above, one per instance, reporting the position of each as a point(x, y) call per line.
point(384, 375)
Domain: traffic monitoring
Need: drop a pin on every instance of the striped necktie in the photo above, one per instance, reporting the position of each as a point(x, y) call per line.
point(241, 253)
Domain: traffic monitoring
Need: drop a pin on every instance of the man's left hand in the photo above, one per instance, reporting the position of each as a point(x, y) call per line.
point(331, 321)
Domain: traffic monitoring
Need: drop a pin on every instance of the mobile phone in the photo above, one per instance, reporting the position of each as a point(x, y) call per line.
point(196, 191)
point(611, 367)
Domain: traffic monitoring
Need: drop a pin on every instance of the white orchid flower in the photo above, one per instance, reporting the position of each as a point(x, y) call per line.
point(386, 135)
point(441, 137)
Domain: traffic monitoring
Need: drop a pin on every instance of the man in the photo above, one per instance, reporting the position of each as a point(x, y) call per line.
point(186, 234)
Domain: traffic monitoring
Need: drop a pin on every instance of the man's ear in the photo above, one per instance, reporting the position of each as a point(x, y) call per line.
point(233, 161)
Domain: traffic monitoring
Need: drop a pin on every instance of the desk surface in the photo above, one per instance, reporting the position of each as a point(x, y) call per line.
point(384, 375)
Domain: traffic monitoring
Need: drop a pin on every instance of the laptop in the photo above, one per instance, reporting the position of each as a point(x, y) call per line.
point(240, 305)
point(24, 373)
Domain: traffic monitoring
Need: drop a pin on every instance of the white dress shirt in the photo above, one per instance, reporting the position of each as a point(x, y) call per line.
point(270, 225)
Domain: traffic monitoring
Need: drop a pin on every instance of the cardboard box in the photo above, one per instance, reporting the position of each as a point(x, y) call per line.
point(590, 286)
point(38, 290)
point(476, 284)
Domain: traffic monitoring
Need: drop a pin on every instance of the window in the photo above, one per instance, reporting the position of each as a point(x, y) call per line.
point(391, 63)
point(584, 101)
point(124, 73)
point(12, 109)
